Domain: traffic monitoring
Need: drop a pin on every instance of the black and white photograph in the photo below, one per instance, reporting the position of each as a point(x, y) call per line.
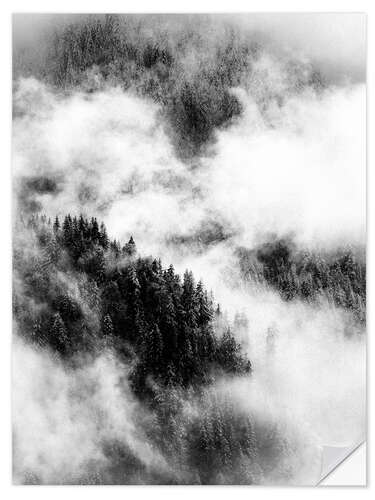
point(189, 247)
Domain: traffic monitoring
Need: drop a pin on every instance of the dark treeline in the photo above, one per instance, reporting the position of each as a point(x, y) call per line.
point(136, 306)
point(80, 296)
point(339, 277)
point(77, 294)
point(187, 64)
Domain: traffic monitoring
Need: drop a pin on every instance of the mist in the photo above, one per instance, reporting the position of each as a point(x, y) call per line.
point(106, 153)
point(55, 408)
point(334, 42)
point(291, 162)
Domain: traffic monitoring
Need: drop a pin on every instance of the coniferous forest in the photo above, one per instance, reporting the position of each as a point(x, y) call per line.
point(164, 327)
point(142, 310)
point(189, 274)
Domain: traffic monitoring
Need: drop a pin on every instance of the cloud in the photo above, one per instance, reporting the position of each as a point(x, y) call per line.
point(295, 165)
point(303, 172)
point(58, 407)
point(297, 168)
point(334, 42)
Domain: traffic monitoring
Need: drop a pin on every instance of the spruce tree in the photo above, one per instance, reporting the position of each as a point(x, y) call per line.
point(59, 336)
point(56, 225)
point(130, 248)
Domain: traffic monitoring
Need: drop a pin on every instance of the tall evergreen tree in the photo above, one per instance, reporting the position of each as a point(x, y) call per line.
point(56, 224)
point(59, 336)
point(130, 248)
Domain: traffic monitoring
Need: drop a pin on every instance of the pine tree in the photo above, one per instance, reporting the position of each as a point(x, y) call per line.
point(53, 251)
point(56, 225)
point(103, 237)
point(67, 232)
point(154, 350)
point(130, 248)
point(37, 334)
point(83, 226)
point(115, 248)
point(59, 335)
point(107, 327)
point(107, 332)
point(94, 230)
point(204, 306)
point(188, 299)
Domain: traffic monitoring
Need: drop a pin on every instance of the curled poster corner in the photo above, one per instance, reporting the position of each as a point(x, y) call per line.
point(333, 456)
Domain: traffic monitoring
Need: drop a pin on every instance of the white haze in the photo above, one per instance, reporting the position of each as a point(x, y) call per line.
point(335, 41)
point(299, 169)
point(61, 418)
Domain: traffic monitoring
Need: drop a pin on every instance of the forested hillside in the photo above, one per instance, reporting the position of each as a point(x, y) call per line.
point(77, 293)
point(188, 68)
point(122, 301)
point(338, 276)
point(220, 338)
